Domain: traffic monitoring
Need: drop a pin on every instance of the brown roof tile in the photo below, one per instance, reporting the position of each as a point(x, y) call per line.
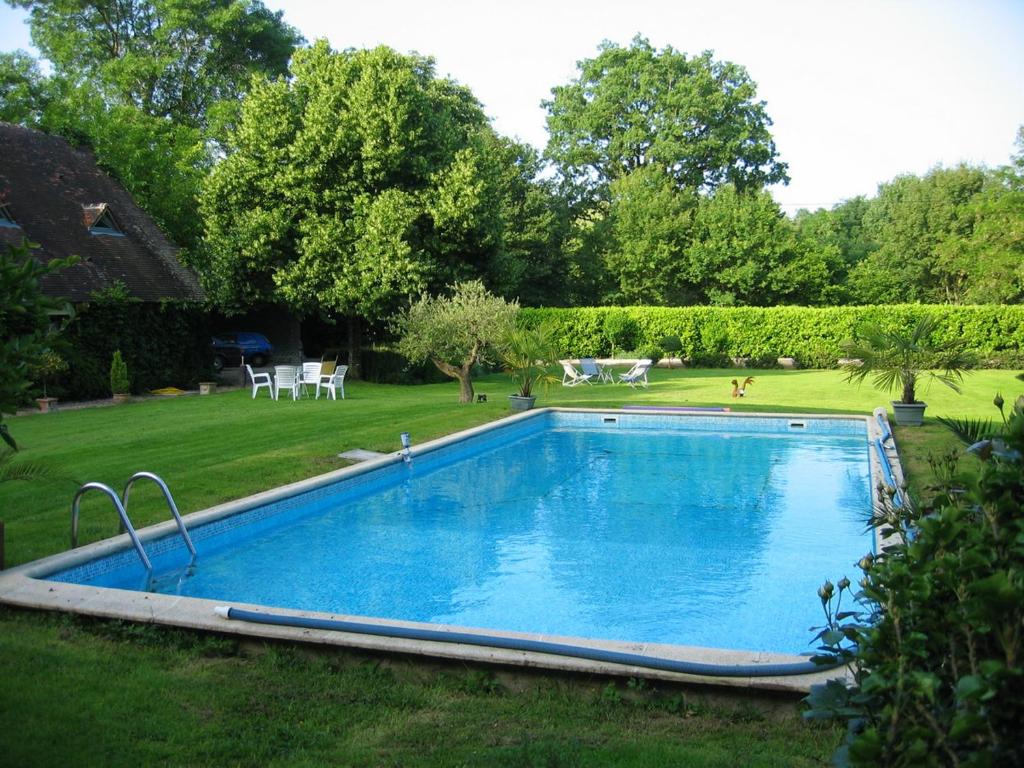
point(56, 193)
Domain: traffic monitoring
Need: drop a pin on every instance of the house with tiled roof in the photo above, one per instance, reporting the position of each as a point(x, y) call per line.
point(54, 195)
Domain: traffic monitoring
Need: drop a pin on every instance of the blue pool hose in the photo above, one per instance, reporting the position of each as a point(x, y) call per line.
point(534, 646)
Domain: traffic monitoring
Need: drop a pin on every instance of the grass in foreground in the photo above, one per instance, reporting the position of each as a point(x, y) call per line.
point(74, 691)
point(80, 692)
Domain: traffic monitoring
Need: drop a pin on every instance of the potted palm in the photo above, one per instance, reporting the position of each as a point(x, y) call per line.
point(897, 361)
point(526, 355)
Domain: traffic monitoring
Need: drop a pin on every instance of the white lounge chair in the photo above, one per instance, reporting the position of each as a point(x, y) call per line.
point(590, 367)
point(287, 377)
point(637, 375)
point(260, 380)
point(572, 377)
point(332, 382)
point(310, 376)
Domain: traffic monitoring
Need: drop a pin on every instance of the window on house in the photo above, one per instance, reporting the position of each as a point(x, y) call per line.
point(106, 225)
point(6, 217)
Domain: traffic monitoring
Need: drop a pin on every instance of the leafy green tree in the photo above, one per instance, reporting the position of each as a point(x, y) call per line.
point(744, 251)
point(25, 320)
point(360, 181)
point(651, 224)
point(992, 258)
point(821, 233)
point(911, 219)
point(695, 118)
point(24, 91)
point(456, 332)
point(170, 58)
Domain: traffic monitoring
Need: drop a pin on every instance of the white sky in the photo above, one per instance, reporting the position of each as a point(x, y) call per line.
point(859, 90)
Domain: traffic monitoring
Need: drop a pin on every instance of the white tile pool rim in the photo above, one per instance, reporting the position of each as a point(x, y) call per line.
point(26, 585)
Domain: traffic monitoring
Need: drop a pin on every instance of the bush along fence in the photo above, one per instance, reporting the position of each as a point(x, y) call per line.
point(163, 345)
point(710, 336)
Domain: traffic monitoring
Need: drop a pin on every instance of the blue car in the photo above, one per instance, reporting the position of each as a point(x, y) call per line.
point(230, 348)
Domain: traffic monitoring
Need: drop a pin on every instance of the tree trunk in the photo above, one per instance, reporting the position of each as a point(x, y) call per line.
point(463, 374)
point(465, 385)
point(354, 371)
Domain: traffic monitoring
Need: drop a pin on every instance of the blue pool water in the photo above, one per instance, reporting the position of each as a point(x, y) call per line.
point(707, 531)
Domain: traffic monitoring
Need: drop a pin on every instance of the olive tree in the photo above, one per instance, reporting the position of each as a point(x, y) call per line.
point(456, 332)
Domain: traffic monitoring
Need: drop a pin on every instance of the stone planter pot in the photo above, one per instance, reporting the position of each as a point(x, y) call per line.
point(207, 387)
point(517, 403)
point(47, 404)
point(788, 363)
point(908, 414)
point(121, 397)
point(739, 362)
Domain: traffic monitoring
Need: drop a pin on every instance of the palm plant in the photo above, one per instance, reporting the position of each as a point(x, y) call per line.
point(21, 470)
point(526, 355)
point(897, 360)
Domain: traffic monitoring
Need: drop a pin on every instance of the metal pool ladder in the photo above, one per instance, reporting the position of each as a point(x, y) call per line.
point(121, 505)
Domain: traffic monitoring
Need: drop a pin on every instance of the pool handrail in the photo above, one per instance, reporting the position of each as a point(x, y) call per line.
point(76, 503)
point(167, 497)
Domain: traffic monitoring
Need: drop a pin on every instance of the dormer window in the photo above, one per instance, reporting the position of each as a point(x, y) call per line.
point(6, 217)
point(100, 220)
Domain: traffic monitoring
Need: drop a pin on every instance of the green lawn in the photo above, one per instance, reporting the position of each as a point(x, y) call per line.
point(80, 691)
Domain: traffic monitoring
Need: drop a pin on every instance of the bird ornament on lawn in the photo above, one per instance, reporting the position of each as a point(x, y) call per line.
point(739, 390)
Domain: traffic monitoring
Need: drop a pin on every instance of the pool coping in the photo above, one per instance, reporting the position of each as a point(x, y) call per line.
point(25, 585)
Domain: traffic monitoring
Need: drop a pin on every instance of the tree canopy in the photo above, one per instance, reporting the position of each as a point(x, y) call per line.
point(361, 180)
point(169, 58)
point(456, 332)
point(696, 119)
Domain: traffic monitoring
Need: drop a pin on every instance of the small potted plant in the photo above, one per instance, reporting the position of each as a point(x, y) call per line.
point(526, 354)
point(896, 361)
point(48, 364)
point(119, 385)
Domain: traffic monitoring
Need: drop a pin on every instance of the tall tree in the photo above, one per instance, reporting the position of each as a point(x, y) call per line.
point(910, 219)
point(744, 251)
point(650, 226)
point(361, 180)
point(169, 58)
point(696, 119)
point(992, 258)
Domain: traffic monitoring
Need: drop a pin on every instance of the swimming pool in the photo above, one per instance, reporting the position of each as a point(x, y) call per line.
point(710, 531)
point(71, 580)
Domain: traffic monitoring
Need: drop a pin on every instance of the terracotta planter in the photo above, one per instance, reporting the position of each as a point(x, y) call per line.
point(908, 414)
point(517, 403)
point(47, 404)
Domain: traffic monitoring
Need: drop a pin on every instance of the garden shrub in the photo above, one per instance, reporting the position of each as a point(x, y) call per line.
point(939, 654)
point(812, 335)
point(119, 382)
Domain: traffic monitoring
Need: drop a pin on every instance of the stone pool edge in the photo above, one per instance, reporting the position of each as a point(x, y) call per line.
point(25, 586)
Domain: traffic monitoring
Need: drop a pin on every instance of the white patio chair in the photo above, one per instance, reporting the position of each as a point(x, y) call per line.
point(260, 380)
point(572, 377)
point(333, 382)
point(591, 367)
point(637, 375)
point(310, 375)
point(287, 377)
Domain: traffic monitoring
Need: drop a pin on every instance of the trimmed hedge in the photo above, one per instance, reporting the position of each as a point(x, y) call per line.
point(164, 345)
point(813, 335)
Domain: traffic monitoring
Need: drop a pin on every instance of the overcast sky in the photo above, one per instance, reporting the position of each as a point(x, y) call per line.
point(859, 90)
